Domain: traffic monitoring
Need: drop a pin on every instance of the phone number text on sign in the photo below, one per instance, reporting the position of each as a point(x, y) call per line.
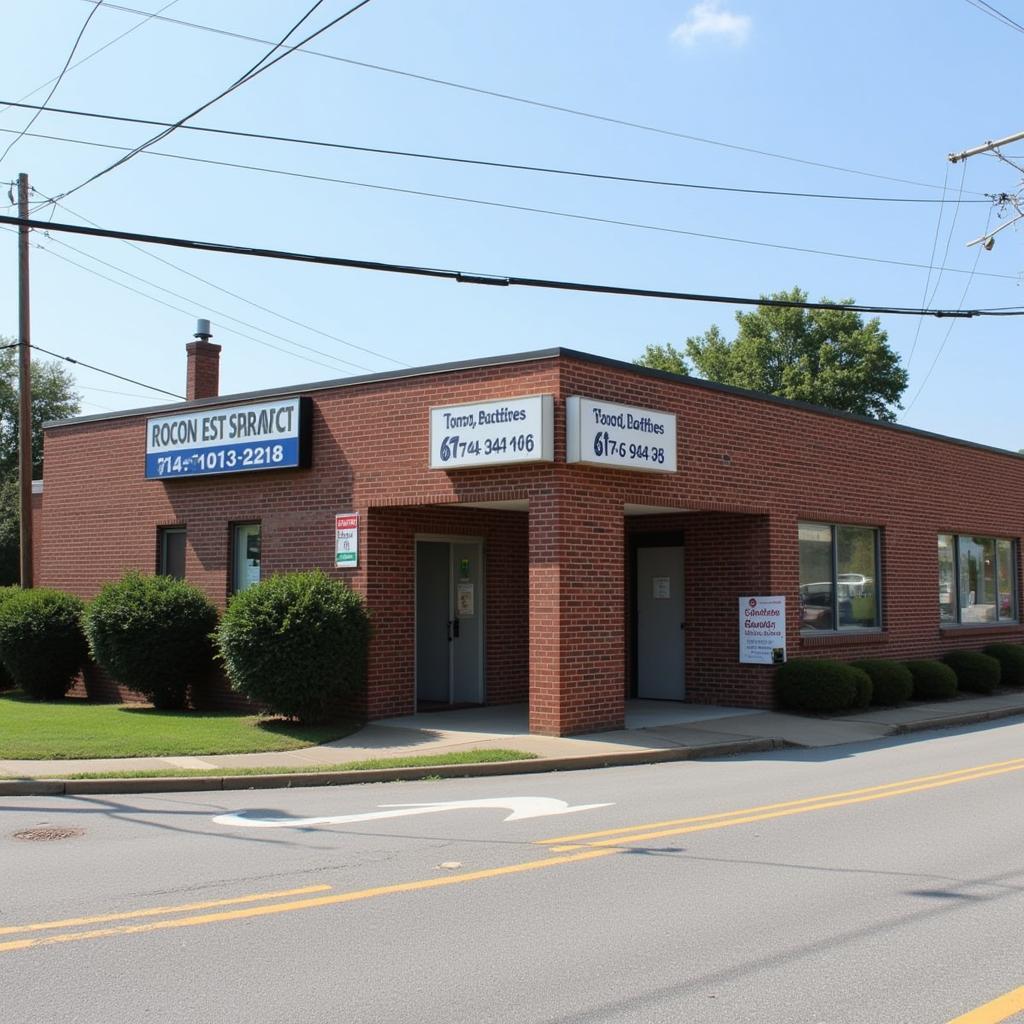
point(603, 433)
point(492, 433)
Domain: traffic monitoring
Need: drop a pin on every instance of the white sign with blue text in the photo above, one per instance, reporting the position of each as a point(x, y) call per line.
point(233, 439)
point(492, 433)
point(602, 433)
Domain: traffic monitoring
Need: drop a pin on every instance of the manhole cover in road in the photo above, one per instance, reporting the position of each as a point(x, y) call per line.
point(46, 833)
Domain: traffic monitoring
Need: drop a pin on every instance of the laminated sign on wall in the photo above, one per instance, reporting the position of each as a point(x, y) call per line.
point(762, 630)
point(346, 541)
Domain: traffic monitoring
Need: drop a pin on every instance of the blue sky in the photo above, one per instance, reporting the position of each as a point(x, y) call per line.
point(886, 89)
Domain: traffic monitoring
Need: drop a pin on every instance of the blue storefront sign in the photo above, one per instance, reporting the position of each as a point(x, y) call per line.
point(235, 439)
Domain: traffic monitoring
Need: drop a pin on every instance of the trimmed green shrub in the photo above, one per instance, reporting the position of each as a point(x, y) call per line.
point(976, 672)
point(152, 633)
point(932, 680)
point(41, 641)
point(865, 688)
point(892, 682)
point(1011, 660)
point(6, 682)
point(297, 643)
point(811, 684)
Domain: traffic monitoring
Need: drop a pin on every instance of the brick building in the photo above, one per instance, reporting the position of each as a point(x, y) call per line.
point(552, 527)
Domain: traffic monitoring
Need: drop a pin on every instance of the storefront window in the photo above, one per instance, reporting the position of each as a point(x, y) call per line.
point(838, 577)
point(245, 556)
point(976, 580)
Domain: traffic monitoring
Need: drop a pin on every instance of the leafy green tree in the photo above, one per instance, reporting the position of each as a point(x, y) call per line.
point(53, 398)
point(828, 357)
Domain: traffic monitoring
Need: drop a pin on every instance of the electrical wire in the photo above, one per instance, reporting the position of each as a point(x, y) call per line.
point(992, 12)
point(931, 267)
point(473, 162)
point(541, 211)
point(264, 64)
point(235, 295)
point(540, 104)
point(491, 279)
point(108, 373)
point(206, 307)
point(60, 77)
point(78, 63)
point(179, 309)
point(949, 331)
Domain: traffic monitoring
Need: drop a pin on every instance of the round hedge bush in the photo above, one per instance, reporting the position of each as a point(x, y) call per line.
point(152, 633)
point(6, 682)
point(1011, 660)
point(932, 680)
point(297, 643)
point(811, 684)
point(976, 672)
point(41, 641)
point(892, 682)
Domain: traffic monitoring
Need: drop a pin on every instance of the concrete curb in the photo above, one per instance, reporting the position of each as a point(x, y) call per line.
point(206, 783)
point(949, 721)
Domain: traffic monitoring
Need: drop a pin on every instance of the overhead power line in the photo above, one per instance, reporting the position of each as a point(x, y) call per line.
point(263, 64)
point(474, 162)
point(515, 207)
point(992, 12)
point(490, 279)
point(147, 16)
point(108, 373)
point(540, 104)
point(56, 82)
point(234, 295)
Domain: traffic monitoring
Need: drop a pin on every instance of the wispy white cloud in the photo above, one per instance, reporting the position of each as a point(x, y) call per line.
point(707, 19)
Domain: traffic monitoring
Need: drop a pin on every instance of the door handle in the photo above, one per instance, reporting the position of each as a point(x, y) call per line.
point(455, 628)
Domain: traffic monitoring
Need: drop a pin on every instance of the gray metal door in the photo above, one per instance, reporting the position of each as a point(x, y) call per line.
point(467, 624)
point(433, 675)
point(659, 623)
point(449, 622)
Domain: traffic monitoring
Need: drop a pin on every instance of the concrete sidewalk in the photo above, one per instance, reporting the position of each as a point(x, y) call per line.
point(655, 731)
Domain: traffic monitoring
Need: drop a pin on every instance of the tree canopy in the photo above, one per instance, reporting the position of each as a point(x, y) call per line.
point(828, 357)
point(53, 398)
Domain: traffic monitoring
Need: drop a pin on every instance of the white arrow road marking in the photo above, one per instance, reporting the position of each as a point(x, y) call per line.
point(521, 808)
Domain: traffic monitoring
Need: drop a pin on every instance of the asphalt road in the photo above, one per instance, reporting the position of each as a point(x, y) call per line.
point(797, 887)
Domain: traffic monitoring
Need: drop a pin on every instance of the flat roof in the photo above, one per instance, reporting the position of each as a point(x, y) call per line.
point(506, 360)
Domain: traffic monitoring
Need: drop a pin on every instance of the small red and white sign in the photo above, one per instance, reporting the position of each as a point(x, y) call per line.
point(346, 540)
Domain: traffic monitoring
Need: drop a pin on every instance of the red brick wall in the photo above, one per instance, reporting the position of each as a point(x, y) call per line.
point(749, 471)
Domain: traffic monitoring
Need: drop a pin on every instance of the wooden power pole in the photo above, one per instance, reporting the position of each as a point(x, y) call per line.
point(24, 389)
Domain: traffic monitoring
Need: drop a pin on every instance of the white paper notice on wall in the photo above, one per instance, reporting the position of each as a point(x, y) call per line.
point(464, 601)
point(762, 630)
point(662, 587)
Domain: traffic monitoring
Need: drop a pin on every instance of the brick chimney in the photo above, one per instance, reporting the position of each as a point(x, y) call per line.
point(203, 379)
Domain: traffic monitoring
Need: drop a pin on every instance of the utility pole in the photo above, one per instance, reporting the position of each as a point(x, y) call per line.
point(1006, 199)
point(24, 389)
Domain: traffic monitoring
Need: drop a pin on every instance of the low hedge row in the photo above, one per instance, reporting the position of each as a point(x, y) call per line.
point(297, 643)
point(811, 684)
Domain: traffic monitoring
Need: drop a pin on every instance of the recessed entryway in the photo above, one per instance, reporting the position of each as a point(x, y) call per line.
point(660, 622)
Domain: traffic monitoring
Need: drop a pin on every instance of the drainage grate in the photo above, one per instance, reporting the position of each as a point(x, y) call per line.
point(46, 833)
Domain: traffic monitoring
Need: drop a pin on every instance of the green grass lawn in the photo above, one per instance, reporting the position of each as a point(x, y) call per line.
point(72, 728)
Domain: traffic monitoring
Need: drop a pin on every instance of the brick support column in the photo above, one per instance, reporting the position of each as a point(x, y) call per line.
point(577, 628)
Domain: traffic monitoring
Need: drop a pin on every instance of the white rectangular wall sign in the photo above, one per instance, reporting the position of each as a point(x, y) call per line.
point(622, 436)
point(229, 439)
point(492, 433)
point(346, 540)
point(762, 630)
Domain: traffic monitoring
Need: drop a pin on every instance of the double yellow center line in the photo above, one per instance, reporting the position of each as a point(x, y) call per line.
point(571, 849)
